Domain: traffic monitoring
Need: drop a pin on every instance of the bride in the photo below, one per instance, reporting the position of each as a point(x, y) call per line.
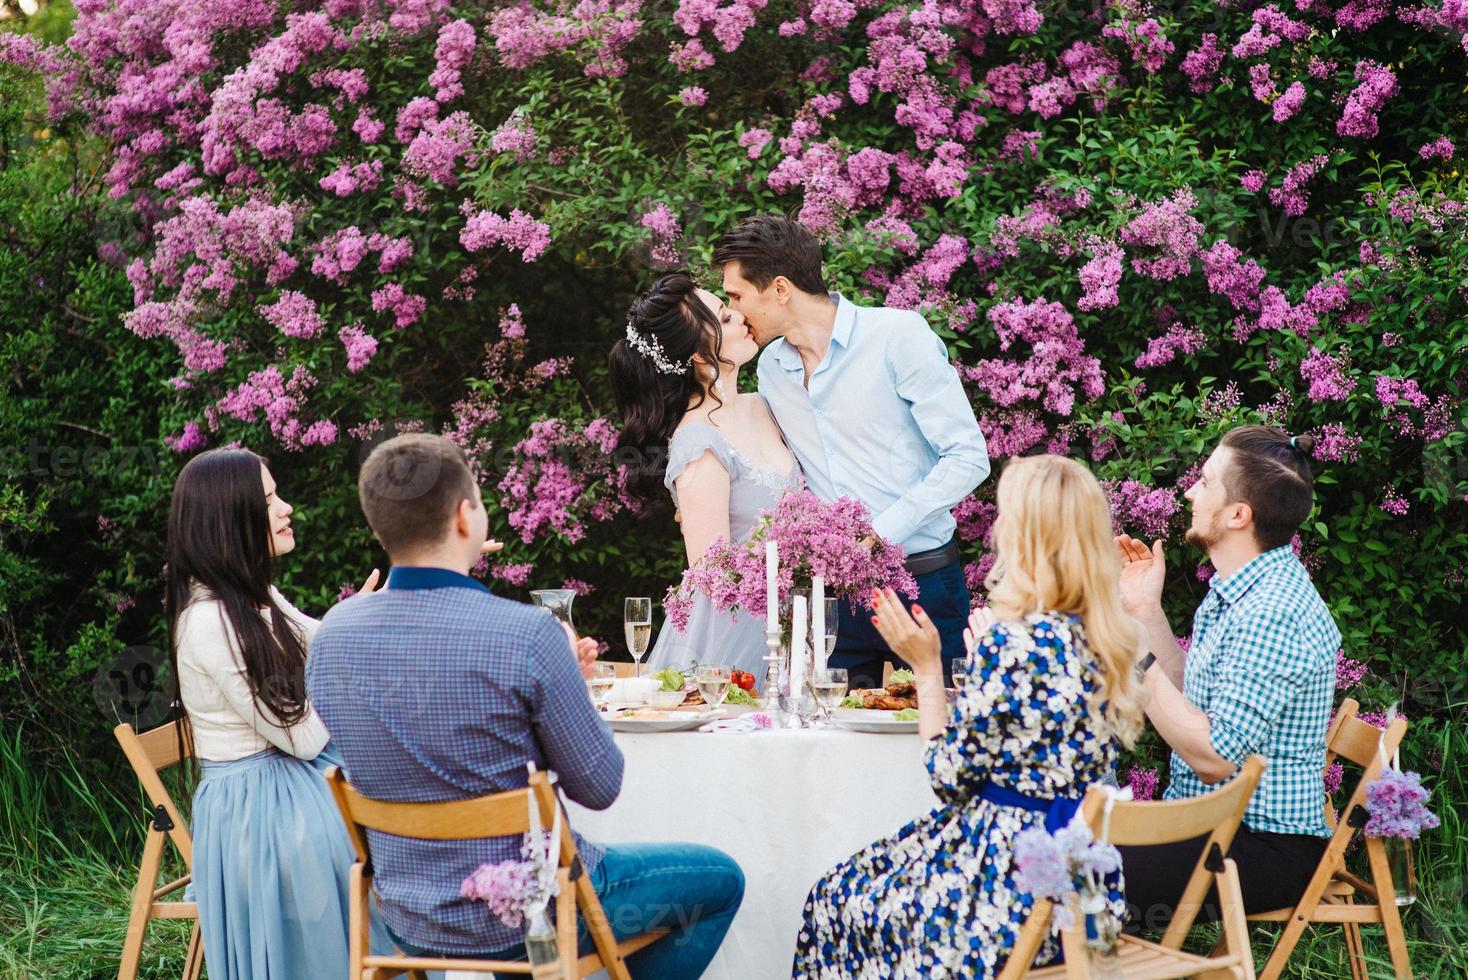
point(676, 381)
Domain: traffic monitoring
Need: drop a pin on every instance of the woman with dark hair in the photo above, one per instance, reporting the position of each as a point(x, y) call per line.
point(271, 854)
point(675, 377)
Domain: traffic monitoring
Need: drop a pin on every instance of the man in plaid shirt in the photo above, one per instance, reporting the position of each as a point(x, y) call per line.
point(1257, 678)
point(435, 689)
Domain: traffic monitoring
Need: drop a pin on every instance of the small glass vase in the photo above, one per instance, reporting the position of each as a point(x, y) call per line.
point(1403, 868)
point(540, 946)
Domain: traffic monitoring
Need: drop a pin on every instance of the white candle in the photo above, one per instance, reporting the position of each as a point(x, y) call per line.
point(818, 619)
point(772, 588)
point(797, 647)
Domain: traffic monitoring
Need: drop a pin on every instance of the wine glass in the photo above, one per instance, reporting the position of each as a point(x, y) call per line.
point(637, 627)
point(557, 602)
point(599, 684)
point(713, 684)
point(828, 687)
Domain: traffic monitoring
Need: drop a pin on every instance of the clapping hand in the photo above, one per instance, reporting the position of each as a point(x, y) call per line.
point(912, 636)
point(491, 546)
point(980, 618)
point(369, 586)
point(1143, 573)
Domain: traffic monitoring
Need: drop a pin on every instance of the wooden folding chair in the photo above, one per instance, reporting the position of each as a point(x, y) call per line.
point(1216, 814)
point(503, 814)
point(149, 753)
point(1333, 892)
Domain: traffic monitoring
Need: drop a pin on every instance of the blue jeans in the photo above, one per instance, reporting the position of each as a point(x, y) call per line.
point(689, 888)
point(862, 651)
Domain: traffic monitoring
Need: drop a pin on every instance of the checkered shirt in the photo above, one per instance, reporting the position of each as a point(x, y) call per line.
point(1262, 667)
point(435, 689)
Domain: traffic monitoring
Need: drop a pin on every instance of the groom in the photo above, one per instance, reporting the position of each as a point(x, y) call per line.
point(871, 407)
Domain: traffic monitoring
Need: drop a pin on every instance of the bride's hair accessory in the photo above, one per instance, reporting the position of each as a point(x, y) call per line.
point(650, 348)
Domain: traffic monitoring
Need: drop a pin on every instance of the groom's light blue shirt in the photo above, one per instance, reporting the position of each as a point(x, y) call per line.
point(885, 420)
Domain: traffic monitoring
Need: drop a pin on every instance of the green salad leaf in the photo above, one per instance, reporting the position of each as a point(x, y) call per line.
point(851, 701)
point(672, 679)
point(902, 676)
point(738, 695)
point(906, 714)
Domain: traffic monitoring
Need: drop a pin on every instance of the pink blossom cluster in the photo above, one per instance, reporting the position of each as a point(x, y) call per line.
point(359, 346)
point(1334, 443)
point(1057, 368)
point(1166, 226)
point(1179, 339)
point(662, 223)
point(728, 22)
point(519, 232)
point(1142, 782)
point(815, 538)
point(1290, 195)
point(562, 476)
point(515, 136)
point(1348, 672)
point(1442, 148)
point(1136, 506)
point(281, 400)
point(1131, 21)
point(1397, 806)
point(294, 314)
point(596, 30)
point(406, 308)
point(454, 52)
point(1326, 374)
point(1100, 277)
point(1377, 85)
point(1393, 502)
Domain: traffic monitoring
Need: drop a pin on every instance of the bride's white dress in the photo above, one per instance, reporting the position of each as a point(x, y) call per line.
point(712, 637)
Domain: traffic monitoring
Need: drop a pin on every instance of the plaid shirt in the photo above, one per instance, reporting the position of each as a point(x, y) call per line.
point(435, 689)
point(1262, 667)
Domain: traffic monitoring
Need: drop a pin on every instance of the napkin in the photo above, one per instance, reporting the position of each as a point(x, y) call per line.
point(755, 721)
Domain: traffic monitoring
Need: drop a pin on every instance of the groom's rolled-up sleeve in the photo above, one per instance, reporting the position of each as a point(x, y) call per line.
point(918, 362)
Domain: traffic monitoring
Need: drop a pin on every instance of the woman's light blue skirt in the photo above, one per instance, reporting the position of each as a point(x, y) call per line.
point(271, 861)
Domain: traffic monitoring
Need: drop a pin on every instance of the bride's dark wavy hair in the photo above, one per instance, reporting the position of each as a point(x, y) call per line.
point(651, 402)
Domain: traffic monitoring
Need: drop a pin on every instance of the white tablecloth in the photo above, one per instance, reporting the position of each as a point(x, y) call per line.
point(787, 805)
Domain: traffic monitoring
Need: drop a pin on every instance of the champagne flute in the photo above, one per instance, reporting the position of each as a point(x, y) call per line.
point(831, 607)
point(713, 684)
point(600, 683)
point(637, 627)
point(828, 687)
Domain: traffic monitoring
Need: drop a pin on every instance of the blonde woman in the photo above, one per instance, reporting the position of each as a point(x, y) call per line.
point(1051, 691)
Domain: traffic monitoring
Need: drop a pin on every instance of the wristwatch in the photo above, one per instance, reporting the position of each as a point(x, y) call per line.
point(1144, 663)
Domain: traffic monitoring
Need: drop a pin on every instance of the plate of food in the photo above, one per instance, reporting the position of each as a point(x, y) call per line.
point(890, 709)
point(651, 720)
point(739, 699)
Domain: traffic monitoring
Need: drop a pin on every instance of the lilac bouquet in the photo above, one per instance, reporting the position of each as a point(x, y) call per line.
point(1069, 863)
point(510, 887)
point(815, 538)
point(1396, 806)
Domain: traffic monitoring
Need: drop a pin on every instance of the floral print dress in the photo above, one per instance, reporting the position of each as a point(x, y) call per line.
point(937, 899)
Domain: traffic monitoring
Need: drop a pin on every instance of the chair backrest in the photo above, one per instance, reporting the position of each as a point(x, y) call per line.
point(1363, 744)
point(499, 815)
point(149, 753)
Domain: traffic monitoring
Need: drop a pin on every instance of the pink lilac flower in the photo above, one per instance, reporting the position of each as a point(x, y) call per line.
point(1291, 194)
point(1021, 145)
point(693, 96)
point(339, 253)
point(519, 232)
point(560, 477)
point(1253, 181)
point(435, 151)
point(1289, 103)
point(293, 314)
point(1142, 33)
point(348, 179)
point(662, 222)
point(359, 345)
point(1138, 506)
point(754, 141)
point(1442, 148)
point(1335, 444)
point(1166, 226)
point(1394, 503)
point(1100, 277)
point(1348, 672)
point(514, 136)
point(454, 52)
point(392, 252)
point(1143, 782)
point(1378, 85)
point(1327, 376)
point(512, 323)
point(405, 307)
point(1055, 372)
point(1334, 774)
point(595, 31)
point(191, 438)
point(1202, 63)
point(1052, 865)
point(1397, 805)
point(517, 574)
point(1162, 350)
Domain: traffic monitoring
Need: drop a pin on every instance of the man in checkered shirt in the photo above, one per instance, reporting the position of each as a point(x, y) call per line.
point(1257, 678)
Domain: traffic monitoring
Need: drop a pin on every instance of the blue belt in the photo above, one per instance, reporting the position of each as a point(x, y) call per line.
point(1058, 811)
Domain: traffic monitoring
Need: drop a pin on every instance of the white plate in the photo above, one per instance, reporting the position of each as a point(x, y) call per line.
point(677, 721)
point(872, 720)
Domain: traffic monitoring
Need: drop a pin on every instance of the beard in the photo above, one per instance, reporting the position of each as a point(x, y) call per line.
point(1206, 538)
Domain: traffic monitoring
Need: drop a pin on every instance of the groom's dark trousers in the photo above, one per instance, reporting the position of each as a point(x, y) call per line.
point(860, 649)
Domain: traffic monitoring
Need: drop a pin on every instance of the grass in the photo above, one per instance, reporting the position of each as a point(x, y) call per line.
point(69, 852)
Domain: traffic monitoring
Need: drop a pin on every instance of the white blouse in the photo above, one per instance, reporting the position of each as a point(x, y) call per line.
point(226, 721)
